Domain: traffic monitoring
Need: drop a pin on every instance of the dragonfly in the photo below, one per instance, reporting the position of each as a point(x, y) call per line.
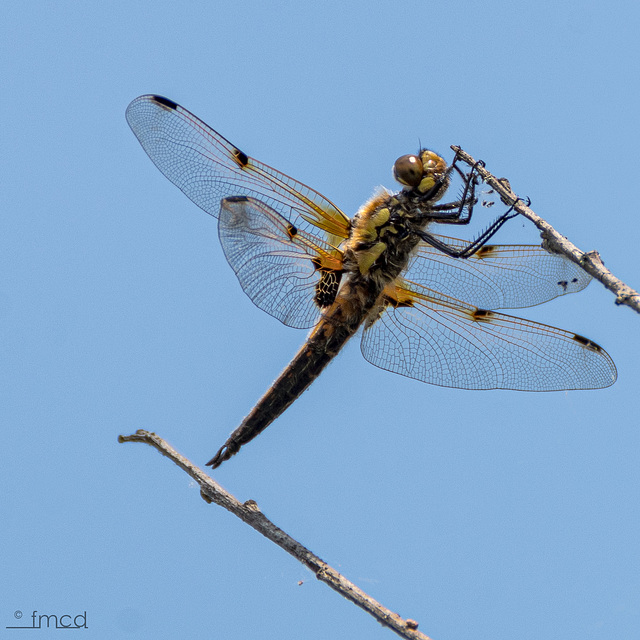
point(426, 303)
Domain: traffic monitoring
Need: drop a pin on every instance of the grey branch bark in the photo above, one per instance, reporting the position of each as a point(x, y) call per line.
point(249, 512)
point(555, 242)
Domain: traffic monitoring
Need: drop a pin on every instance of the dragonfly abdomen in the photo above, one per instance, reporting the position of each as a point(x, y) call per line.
point(339, 323)
point(369, 265)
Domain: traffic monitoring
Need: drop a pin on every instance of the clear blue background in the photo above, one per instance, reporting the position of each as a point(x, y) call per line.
point(482, 515)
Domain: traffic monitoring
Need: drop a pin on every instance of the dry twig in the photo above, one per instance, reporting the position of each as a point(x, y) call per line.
point(248, 511)
point(556, 243)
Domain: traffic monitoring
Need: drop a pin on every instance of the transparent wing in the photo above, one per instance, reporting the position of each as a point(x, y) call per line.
point(497, 276)
point(208, 168)
point(284, 270)
point(437, 339)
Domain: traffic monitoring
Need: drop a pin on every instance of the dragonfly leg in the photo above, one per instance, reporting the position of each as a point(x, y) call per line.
point(459, 211)
point(474, 245)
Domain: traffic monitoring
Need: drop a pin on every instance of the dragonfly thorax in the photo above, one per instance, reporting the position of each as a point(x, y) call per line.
point(383, 232)
point(383, 237)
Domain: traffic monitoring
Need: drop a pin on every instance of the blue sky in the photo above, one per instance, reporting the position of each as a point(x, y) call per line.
point(479, 514)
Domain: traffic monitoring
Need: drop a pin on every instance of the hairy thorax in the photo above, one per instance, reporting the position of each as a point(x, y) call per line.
point(379, 248)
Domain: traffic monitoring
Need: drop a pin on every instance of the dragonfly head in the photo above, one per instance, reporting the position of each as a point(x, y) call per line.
point(425, 174)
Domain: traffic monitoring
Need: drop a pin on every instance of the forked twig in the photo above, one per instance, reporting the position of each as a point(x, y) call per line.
point(248, 511)
point(553, 241)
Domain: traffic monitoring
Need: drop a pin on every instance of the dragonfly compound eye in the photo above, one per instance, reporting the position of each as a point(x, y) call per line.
point(407, 170)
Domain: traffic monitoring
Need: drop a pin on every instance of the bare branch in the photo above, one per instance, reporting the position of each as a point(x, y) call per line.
point(249, 512)
point(556, 243)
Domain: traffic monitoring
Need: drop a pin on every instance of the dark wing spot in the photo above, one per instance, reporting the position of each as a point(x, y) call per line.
point(165, 102)
point(327, 287)
point(398, 304)
point(563, 283)
point(292, 231)
point(237, 199)
point(482, 315)
point(586, 343)
point(241, 158)
point(485, 251)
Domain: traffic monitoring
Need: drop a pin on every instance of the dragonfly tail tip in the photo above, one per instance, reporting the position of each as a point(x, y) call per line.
point(222, 455)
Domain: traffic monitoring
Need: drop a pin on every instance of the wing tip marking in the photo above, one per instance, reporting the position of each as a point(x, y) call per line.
point(165, 102)
point(586, 343)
